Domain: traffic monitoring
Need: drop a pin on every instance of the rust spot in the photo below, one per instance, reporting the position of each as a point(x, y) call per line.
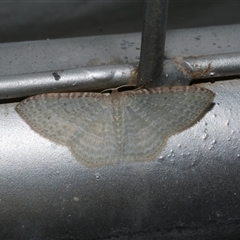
point(133, 78)
point(194, 71)
point(178, 61)
point(199, 72)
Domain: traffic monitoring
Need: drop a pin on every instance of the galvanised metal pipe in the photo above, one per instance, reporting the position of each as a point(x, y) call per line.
point(176, 71)
point(79, 79)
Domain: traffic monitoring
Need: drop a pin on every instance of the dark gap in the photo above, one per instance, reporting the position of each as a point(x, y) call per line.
point(126, 88)
point(11, 100)
point(214, 79)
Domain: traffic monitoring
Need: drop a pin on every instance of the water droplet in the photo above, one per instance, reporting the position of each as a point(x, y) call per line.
point(76, 199)
point(97, 175)
point(161, 158)
point(214, 141)
point(238, 155)
point(205, 136)
point(212, 74)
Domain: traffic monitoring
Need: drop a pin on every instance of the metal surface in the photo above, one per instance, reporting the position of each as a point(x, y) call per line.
point(177, 71)
point(153, 41)
point(90, 18)
point(193, 185)
point(183, 70)
point(27, 68)
point(82, 79)
point(190, 191)
point(61, 54)
point(219, 65)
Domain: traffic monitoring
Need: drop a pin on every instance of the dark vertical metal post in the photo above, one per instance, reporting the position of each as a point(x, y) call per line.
point(153, 40)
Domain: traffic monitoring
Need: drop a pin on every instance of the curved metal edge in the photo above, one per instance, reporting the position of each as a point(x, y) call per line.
point(83, 79)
